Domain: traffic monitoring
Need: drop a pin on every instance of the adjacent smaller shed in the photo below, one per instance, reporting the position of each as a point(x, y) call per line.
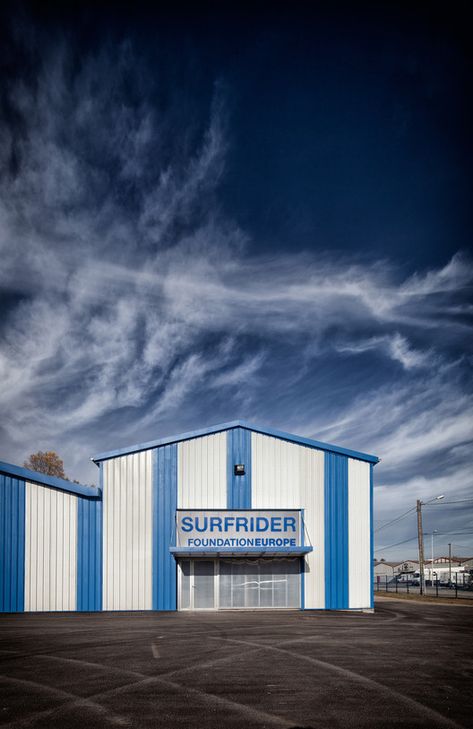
point(50, 543)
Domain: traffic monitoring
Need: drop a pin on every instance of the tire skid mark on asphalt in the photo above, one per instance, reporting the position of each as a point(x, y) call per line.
point(434, 715)
point(33, 654)
point(89, 664)
point(78, 701)
point(136, 674)
point(143, 676)
point(206, 664)
point(69, 698)
point(247, 711)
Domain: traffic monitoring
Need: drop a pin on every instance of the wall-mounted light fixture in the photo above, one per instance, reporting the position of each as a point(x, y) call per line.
point(239, 469)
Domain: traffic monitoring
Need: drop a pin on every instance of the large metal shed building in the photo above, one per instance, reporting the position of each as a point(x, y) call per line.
point(233, 516)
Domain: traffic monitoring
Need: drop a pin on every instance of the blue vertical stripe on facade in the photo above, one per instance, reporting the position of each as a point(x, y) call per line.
point(336, 531)
point(89, 554)
point(238, 451)
point(12, 544)
point(164, 519)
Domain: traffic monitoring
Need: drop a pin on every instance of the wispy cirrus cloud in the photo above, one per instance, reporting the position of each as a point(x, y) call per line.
point(133, 306)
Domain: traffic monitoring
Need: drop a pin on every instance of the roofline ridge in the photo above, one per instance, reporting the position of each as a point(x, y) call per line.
point(219, 427)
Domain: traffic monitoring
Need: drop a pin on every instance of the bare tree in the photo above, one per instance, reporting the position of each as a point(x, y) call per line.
point(47, 462)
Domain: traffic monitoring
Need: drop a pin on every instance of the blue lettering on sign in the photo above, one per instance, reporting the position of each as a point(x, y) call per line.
point(289, 521)
point(242, 542)
point(241, 521)
point(262, 524)
point(215, 523)
point(239, 524)
point(187, 525)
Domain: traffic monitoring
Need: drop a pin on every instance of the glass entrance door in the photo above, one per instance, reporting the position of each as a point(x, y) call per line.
point(259, 583)
point(204, 578)
point(197, 584)
point(211, 584)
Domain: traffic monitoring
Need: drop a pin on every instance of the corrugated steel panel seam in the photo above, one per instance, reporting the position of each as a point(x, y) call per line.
point(238, 451)
point(310, 442)
point(12, 544)
point(336, 532)
point(164, 510)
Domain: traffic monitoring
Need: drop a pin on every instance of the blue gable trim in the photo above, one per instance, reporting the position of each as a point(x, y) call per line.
point(238, 451)
point(89, 553)
point(41, 478)
point(164, 516)
point(336, 531)
point(12, 544)
point(228, 426)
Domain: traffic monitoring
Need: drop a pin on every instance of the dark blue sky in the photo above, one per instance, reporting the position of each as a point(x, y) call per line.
point(260, 214)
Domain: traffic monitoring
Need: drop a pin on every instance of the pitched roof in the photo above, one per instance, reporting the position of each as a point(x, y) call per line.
point(41, 478)
point(228, 426)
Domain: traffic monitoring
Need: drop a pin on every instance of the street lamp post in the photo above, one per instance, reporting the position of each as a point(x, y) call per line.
point(432, 550)
point(420, 538)
point(449, 564)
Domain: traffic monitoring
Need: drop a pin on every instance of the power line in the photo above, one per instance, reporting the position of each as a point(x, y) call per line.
point(442, 503)
point(396, 519)
point(446, 534)
point(409, 511)
point(395, 545)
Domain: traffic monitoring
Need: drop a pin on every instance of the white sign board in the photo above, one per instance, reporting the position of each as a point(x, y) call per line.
point(249, 528)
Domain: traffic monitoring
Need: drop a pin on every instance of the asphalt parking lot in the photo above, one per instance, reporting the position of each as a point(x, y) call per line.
point(408, 664)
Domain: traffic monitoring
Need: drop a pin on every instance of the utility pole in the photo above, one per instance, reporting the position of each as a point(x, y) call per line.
point(449, 563)
point(420, 539)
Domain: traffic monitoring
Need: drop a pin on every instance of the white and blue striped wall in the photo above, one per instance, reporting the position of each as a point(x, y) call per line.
point(143, 490)
point(65, 546)
point(50, 543)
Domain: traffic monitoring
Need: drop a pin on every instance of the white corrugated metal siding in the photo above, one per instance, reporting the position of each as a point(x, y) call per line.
point(288, 475)
point(359, 548)
point(127, 532)
point(50, 549)
point(202, 472)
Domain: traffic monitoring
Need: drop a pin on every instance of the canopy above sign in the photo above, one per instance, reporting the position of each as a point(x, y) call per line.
point(240, 551)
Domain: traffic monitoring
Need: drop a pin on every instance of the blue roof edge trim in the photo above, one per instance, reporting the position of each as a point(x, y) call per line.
point(44, 480)
point(236, 424)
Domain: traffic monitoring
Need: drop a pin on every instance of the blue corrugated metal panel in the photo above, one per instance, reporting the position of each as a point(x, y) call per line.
point(238, 451)
point(56, 483)
point(336, 531)
point(12, 544)
point(89, 554)
point(236, 424)
point(371, 538)
point(164, 516)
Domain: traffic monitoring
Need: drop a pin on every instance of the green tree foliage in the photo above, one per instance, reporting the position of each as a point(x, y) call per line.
point(47, 462)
